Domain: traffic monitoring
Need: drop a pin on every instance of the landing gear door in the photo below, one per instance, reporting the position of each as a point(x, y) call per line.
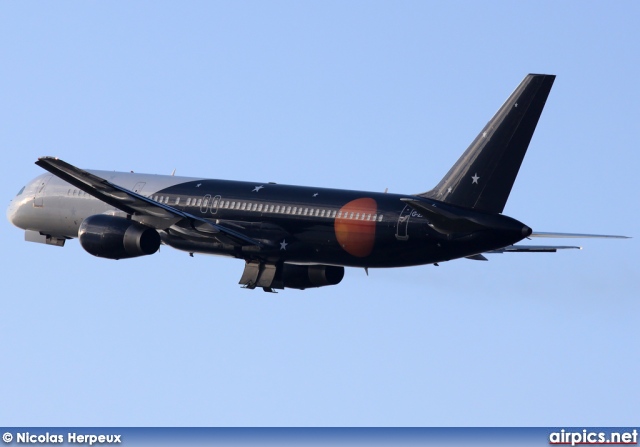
point(403, 223)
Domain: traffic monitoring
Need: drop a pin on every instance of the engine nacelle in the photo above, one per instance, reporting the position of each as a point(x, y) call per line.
point(309, 276)
point(117, 238)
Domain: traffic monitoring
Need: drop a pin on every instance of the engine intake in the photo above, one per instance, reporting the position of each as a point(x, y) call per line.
point(114, 237)
point(309, 276)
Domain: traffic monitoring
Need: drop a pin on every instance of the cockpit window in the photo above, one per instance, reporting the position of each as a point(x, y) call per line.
point(21, 191)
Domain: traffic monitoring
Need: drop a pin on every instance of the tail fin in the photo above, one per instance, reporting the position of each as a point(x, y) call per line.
point(483, 176)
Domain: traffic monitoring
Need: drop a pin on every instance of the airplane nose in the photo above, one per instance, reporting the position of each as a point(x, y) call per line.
point(11, 212)
point(14, 214)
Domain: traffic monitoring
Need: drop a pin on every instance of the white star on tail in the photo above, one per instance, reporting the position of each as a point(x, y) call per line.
point(283, 244)
point(475, 179)
point(257, 188)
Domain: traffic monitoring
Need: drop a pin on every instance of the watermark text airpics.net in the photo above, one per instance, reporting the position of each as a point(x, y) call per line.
point(71, 438)
point(586, 437)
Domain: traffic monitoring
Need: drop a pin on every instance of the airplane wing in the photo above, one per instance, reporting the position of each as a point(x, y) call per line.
point(143, 209)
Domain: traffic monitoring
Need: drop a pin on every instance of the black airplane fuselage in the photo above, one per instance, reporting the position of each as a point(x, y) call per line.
point(329, 226)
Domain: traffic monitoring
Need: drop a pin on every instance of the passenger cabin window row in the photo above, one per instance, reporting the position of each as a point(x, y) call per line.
point(78, 193)
point(218, 203)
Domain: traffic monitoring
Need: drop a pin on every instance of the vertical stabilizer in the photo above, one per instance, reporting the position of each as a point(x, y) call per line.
point(483, 176)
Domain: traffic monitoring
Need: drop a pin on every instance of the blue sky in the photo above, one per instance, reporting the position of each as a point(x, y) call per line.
point(359, 95)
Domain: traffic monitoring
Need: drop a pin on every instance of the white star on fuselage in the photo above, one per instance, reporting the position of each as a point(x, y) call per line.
point(257, 188)
point(475, 179)
point(315, 195)
point(198, 185)
point(283, 244)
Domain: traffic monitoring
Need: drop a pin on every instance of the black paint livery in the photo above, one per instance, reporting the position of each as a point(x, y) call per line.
point(301, 237)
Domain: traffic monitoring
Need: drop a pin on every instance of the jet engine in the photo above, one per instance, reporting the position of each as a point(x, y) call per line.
point(117, 238)
point(309, 276)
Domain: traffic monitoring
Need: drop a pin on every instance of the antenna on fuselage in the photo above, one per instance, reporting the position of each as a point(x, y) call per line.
point(174, 172)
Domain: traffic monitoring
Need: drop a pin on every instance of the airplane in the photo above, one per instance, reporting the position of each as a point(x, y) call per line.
point(297, 236)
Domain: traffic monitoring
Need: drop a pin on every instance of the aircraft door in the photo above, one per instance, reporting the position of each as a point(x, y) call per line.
point(215, 204)
point(206, 200)
point(38, 199)
point(403, 223)
point(138, 187)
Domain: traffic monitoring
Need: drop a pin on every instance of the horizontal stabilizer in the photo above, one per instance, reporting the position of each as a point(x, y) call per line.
point(477, 257)
point(576, 235)
point(533, 249)
point(442, 220)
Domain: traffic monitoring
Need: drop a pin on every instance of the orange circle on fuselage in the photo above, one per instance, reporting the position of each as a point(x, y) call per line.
point(356, 228)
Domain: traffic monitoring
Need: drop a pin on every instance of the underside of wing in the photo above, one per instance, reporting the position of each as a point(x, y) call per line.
point(142, 209)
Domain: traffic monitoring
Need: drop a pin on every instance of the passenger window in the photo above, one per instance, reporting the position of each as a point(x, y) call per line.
point(317, 212)
point(215, 203)
point(339, 214)
point(288, 210)
point(357, 216)
point(351, 216)
point(306, 210)
point(380, 218)
point(322, 213)
point(260, 208)
point(199, 202)
point(244, 206)
point(254, 207)
point(333, 214)
point(278, 209)
point(177, 200)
